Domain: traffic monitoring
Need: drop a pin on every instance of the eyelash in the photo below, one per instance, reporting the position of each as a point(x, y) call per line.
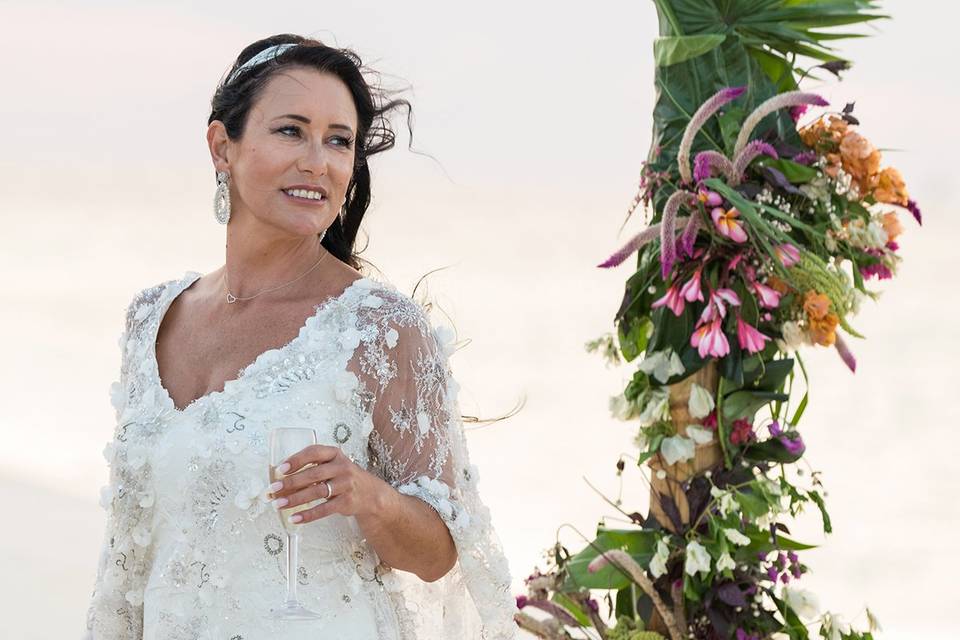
point(348, 142)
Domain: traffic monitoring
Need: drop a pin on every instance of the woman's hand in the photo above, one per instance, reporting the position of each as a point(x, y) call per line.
point(355, 491)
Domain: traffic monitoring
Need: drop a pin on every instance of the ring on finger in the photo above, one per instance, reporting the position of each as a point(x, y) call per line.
point(329, 489)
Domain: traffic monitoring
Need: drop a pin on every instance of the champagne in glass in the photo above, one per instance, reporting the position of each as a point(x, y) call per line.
point(284, 442)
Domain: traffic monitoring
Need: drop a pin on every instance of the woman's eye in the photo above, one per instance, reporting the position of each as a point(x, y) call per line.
point(346, 141)
point(289, 128)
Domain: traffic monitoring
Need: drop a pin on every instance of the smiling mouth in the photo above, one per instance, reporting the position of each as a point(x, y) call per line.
point(303, 195)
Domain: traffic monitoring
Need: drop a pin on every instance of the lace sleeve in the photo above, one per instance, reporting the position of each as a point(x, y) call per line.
point(115, 611)
point(417, 444)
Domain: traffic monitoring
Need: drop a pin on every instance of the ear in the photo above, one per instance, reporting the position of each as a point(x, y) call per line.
point(219, 144)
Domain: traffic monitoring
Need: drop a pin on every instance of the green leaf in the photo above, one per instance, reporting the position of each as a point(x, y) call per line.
point(572, 607)
point(818, 499)
point(799, 412)
point(632, 335)
point(770, 450)
point(669, 50)
point(638, 543)
point(793, 171)
point(746, 402)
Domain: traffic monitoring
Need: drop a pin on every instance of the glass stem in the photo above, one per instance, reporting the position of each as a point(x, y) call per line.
point(293, 560)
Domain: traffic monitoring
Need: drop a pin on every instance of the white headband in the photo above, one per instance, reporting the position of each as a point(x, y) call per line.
point(263, 56)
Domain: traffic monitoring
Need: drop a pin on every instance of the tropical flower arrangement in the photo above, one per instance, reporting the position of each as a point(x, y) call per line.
point(764, 244)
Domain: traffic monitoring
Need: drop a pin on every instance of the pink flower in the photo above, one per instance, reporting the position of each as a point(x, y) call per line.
point(715, 307)
point(709, 198)
point(709, 340)
point(691, 290)
point(788, 254)
point(727, 224)
point(672, 300)
point(769, 297)
point(749, 338)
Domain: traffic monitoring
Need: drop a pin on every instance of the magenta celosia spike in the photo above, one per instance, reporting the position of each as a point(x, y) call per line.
point(635, 243)
point(779, 101)
point(708, 160)
point(702, 114)
point(689, 235)
point(845, 353)
point(745, 157)
point(668, 227)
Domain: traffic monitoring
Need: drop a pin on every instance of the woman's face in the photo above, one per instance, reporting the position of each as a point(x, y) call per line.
point(300, 134)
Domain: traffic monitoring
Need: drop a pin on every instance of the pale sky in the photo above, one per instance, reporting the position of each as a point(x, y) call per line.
point(537, 116)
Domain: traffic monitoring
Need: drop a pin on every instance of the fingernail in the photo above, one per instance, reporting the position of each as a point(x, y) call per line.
point(295, 518)
point(276, 486)
point(283, 468)
point(280, 502)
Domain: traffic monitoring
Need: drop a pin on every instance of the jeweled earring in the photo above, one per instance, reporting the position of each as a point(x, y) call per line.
point(221, 199)
point(343, 213)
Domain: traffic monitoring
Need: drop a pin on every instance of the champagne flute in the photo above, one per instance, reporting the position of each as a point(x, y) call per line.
point(284, 442)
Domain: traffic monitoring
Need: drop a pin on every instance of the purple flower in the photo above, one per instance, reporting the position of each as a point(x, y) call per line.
point(914, 209)
point(845, 354)
point(522, 601)
point(879, 270)
point(792, 556)
point(593, 605)
point(772, 573)
point(794, 445)
point(775, 429)
point(805, 158)
point(797, 111)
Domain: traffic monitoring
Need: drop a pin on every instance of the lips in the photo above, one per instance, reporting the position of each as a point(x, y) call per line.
point(306, 195)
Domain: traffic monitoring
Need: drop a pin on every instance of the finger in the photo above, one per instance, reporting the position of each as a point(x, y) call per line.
point(311, 493)
point(303, 479)
point(315, 453)
point(333, 505)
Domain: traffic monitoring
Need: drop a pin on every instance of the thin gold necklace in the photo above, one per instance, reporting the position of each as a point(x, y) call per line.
point(232, 298)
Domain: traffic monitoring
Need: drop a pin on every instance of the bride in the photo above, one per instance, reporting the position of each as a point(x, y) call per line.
point(397, 543)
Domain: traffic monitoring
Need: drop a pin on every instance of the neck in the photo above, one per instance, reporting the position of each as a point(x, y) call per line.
point(260, 257)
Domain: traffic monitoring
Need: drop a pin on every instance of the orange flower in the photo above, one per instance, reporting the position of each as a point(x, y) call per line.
point(823, 330)
point(778, 285)
point(891, 188)
point(816, 305)
point(891, 224)
point(860, 159)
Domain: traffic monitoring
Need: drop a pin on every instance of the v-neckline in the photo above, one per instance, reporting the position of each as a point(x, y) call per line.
point(167, 301)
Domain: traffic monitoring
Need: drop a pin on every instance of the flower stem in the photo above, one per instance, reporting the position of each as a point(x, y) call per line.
point(721, 429)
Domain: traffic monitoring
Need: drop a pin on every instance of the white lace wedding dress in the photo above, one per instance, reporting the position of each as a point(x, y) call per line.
point(193, 549)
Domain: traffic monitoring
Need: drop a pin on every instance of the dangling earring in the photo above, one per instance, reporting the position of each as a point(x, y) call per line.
point(343, 213)
point(221, 199)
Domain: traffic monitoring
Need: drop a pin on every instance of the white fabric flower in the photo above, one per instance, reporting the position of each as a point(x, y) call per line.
point(136, 456)
point(802, 601)
point(145, 498)
point(662, 365)
point(249, 491)
point(698, 559)
point(677, 449)
point(725, 562)
point(423, 422)
point(345, 383)
point(141, 535)
point(116, 395)
point(700, 403)
point(372, 301)
point(134, 597)
point(699, 434)
point(106, 496)
point(349, 338)
point(446, 337)
point(391, 337)
point(736, 537)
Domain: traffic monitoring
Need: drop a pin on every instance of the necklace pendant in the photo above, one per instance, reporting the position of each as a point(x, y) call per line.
point(231, 298)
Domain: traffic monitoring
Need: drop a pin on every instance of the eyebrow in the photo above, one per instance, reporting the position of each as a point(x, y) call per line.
point(306, 120)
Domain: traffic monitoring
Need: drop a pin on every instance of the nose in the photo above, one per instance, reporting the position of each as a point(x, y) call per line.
point(314, 159)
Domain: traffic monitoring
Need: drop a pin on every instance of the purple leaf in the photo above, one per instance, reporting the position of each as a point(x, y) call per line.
point(732, 595)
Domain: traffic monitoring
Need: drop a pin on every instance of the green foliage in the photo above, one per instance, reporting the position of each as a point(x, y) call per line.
point(639, 543)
